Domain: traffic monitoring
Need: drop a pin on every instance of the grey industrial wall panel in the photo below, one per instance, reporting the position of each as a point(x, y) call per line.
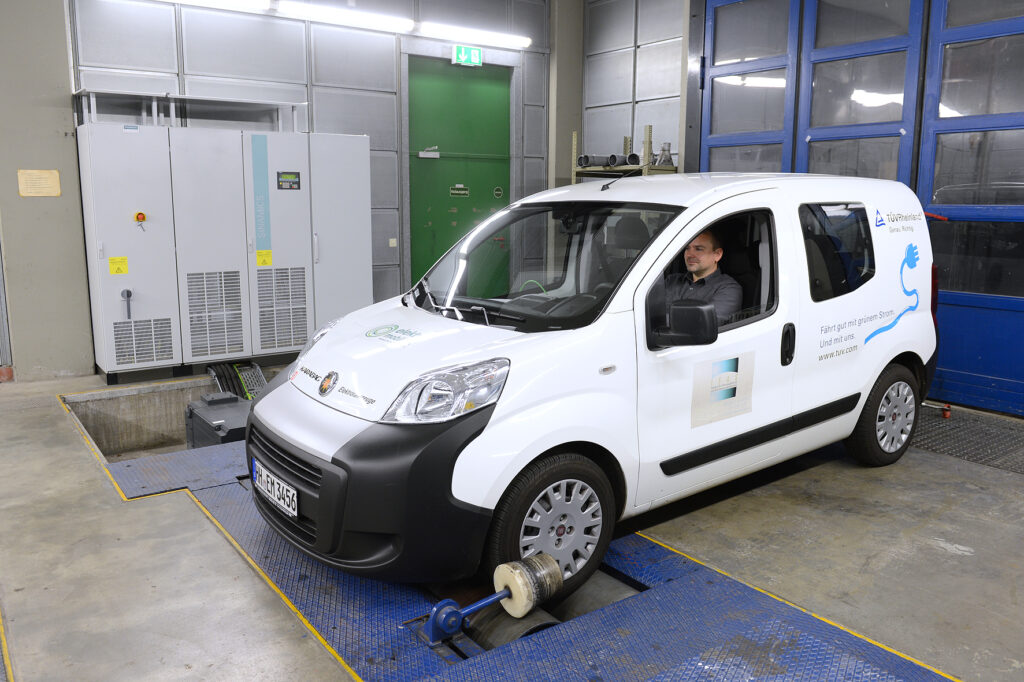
point(609, 25)
point(5, 336)
point(387, 282)
point(530, 18)
point(335, 50)
point(535, 131)
point(488, 16)
point(394, 8)
point(384, 179)
point(659, 20)
point(535, 176)
point(238, 45)
point(604, 128)
point(126, 34)
point(386, 227)
point(146, 83)
point(659, 69)
point(535, 81)
point(232, 88)
point(358, 112)
point(663, 116)
point(608, 78)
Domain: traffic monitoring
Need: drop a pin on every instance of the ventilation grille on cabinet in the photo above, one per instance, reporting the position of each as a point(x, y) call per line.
point(215, 312)
point(139, 341)
point(282, 300)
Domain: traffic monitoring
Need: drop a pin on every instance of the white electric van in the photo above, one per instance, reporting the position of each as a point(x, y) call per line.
point(537, 384)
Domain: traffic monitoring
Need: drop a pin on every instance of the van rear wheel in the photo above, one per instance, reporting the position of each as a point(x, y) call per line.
point(561, 505)
point(889, 419)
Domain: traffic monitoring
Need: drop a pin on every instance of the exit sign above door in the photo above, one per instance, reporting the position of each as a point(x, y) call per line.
point(467, 56)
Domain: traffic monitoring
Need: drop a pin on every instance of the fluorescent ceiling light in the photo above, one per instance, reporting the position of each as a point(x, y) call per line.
point(473, 36)
point(344, 17)
point(236, 5)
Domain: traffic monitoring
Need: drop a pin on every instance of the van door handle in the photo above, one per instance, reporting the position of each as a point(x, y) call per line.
point(788, 343)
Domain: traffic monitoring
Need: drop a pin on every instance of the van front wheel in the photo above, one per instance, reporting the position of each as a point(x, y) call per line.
point(561, 505)
point(889, 418)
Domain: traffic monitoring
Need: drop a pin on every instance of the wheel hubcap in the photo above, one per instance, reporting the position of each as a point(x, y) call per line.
point(564, 521)
point(895, 418)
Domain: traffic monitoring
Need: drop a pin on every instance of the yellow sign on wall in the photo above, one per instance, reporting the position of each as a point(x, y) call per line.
point(264, 258)
point(38, 183)
point(118, 265)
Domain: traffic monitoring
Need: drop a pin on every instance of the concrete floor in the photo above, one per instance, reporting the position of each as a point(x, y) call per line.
point(94, 588)
point(924, 557)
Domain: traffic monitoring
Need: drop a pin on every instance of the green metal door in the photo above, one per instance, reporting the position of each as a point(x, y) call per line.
point(458, 160)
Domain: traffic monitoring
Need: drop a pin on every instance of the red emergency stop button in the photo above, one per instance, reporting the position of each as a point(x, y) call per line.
point(140, 217)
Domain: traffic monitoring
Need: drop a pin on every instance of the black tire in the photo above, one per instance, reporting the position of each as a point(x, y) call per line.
point(579, 552)
point(888, 420)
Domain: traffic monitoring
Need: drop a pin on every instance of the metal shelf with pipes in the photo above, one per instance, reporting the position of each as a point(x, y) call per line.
point(620, 165)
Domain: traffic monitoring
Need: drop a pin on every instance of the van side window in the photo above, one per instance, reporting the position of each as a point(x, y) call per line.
point(748, 257)
point(837, 238)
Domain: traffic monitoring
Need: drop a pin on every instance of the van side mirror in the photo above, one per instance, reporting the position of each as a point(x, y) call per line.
point(691, 323)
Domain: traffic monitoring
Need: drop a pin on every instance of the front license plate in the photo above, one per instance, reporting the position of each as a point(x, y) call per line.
point(275, 490)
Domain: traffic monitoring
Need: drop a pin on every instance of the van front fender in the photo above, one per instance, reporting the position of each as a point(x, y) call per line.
point(510, 442)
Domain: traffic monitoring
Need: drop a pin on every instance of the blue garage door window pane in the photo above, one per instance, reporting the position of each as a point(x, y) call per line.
point(980, 168)
point(753, 29)
point(979, 257)
point(749, 158)
point(866, 157)
point(966, 12)
point(859, 90)
point(841, 22)
point(982, 77)
point(748, 102)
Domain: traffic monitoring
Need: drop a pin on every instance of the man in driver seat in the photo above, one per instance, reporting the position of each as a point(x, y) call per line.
point(703, 281)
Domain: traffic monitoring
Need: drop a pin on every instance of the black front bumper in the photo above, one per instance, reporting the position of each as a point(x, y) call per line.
point(383, 506)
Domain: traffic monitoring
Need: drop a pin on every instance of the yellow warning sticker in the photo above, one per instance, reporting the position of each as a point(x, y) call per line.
point(118, 265)
point(264, 258)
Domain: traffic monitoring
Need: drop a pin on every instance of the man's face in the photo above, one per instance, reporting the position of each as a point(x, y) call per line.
point(701, 258)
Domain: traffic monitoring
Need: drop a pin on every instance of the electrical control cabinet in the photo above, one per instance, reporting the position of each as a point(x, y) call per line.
point(209, 223)
point(276, 172)
point(204, 243)
point(340, 198)
point(129, 238)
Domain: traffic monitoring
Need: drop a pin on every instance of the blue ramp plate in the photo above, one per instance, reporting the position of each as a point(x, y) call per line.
point(194, 469)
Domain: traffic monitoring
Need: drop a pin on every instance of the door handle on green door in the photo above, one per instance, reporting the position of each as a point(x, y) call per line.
point(788, 343)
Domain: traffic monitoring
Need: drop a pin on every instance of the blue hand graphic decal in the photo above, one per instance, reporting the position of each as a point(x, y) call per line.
point(910, 260)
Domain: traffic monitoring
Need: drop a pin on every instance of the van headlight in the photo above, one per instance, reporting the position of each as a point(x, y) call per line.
point(449, 392)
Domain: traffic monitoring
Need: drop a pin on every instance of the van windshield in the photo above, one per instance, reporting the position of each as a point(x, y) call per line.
point(541, 267)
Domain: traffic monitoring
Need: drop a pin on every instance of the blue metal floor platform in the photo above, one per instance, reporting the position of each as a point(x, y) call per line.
point(691, 623)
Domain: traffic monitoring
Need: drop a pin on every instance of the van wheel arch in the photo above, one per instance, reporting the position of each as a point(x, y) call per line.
point(911, 361)
point(602, 458)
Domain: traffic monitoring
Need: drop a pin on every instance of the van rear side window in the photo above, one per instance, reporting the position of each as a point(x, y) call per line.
point(837, 238)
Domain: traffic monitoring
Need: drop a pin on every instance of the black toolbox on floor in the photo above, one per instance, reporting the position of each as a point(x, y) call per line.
point(215, 418)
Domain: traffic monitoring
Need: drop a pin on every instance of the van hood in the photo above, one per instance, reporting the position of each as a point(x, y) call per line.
point(377, 351)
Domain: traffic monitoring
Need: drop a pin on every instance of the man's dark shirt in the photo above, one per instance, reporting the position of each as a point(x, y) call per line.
point(719, 289)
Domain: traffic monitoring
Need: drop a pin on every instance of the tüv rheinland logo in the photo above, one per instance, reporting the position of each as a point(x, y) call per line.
point(910, 260)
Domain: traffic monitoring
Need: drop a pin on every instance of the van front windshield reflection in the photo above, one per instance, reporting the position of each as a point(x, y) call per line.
point(541, 267)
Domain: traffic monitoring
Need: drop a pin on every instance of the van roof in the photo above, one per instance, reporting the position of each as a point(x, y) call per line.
point(683, 188)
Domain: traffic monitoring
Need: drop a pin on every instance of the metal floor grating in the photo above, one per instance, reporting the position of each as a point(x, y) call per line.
point(973, 436)
point(193, 469)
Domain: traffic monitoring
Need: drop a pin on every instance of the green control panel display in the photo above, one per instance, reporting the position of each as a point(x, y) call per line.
point(287, 180)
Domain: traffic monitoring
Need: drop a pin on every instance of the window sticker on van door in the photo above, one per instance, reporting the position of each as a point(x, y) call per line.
point(721, 389)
